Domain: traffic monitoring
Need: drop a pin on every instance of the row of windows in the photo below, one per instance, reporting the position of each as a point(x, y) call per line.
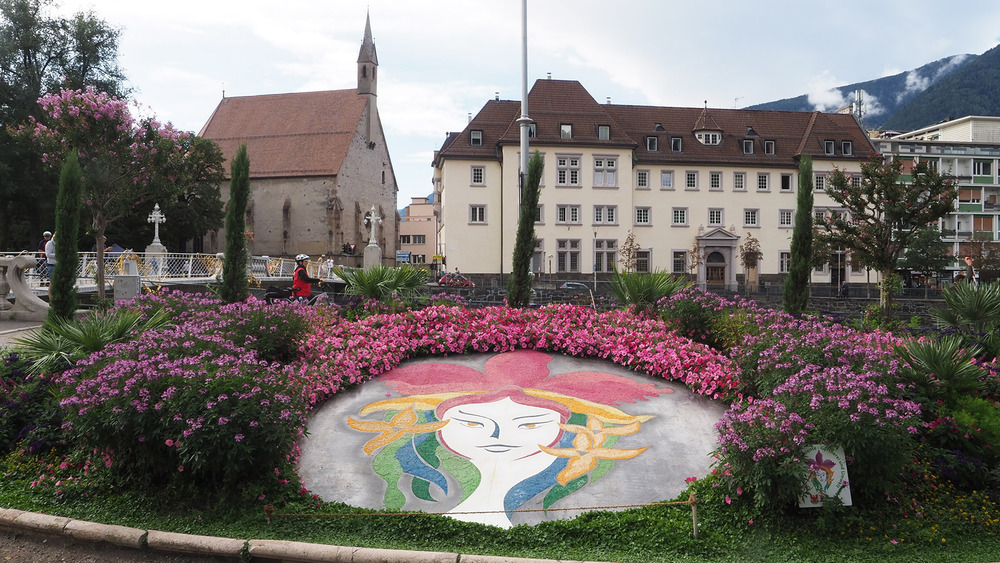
point(676, 143)
point(412, 239)
point(643, 216)
point(606, 176)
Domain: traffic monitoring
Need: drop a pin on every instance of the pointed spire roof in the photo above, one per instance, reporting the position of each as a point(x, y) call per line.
point(706, 122)
point(367, 53)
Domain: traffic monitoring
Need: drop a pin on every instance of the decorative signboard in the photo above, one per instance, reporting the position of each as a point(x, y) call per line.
point(826, 476)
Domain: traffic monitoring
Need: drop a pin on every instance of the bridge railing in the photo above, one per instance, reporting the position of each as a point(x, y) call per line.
point(166, 268)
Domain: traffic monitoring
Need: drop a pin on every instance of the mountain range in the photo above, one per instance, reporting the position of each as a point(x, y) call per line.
point(948, 88)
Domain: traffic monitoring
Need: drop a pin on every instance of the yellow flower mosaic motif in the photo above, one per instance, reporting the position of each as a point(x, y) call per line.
point(588, 447)
point(403, 423)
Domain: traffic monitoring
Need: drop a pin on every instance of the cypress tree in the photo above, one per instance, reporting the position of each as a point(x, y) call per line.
point(519, 283)
point(235, 285)
point(62, 291)
point(796, 291)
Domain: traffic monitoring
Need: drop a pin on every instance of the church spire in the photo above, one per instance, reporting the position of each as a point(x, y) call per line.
point(367, 61)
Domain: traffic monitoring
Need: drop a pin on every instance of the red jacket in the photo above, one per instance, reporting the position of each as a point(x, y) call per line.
point(301, 281)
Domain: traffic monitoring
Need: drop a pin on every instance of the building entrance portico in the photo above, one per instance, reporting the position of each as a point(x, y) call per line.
point(717, 268)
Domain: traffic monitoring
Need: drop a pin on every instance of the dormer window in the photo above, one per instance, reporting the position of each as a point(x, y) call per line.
point(709, 137)
point(476, 138)
point(675, 144)
point(604, 132)
point(565, 131)
point(747, 146)
point(768, 147)
point(532, 130)
point(828, 147)
point(847, 148)
point(651, 144)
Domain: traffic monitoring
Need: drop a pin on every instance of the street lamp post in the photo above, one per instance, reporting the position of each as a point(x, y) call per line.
point(595, 259)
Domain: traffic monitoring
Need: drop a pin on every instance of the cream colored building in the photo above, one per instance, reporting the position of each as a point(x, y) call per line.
point(418, 227)
point(318, 163)
point(690, 184)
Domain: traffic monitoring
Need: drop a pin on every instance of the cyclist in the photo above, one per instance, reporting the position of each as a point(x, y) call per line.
point(301, 288)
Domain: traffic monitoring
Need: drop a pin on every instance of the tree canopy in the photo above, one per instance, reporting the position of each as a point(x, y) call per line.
point(885, 211)
point(120, 155)
point(40, 53)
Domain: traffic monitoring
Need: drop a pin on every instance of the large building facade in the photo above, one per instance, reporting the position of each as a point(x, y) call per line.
point(967, 150)
point(318, 165)
point(689, 184)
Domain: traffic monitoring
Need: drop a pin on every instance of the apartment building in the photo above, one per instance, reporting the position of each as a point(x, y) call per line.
point(689, 184)
point(968, 150)
point(418, 226)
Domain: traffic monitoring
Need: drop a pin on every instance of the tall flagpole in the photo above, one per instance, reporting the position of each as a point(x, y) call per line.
point(524, 120)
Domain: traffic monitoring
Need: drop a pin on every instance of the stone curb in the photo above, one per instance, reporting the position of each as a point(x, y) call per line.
point(194, 545)
point(211, 546)
point(94, 532)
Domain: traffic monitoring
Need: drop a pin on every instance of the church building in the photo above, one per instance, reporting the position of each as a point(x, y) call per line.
point(318, 165)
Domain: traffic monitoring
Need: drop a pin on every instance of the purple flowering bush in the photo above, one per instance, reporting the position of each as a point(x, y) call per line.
point(801, 382)
point(193, 405)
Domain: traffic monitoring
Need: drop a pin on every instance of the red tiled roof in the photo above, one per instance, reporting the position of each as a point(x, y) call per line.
point(288, 135)
point(552, 103)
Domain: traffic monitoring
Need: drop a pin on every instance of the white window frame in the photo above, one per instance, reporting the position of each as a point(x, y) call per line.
point(819, 182)
point(847, 147)
point(643, 216)
point(603, 132)
point(568, 215)
point(643, 260)
point(679, 217)
point(982, 168)
point(715, 181)
point(786, 218)
point(605, 215)
point(769, 147)
point(568, 255)
point(790, 183)
point(605, 171)
point(691, 180)
point(784, 261)
point(568, 171)
point(477, 214)
point(747, 146)
point(751, 217)
point(482, 175)
point(475, 138)
point(679, 257)
point(642, 179)
point(605, 255)
point(666, 179)
point(565, 130)
point(829, 147)
point(716, 216)
point(652, 143)
point(676, 144)
point(763, 181)
point(739, 181)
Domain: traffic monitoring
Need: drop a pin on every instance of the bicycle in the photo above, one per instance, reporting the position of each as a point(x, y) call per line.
point(275, 293)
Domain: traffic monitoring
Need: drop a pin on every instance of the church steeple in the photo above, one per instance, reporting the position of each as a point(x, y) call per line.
point(367, 62)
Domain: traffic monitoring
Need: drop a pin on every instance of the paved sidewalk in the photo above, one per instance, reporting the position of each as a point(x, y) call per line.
point(11, 330)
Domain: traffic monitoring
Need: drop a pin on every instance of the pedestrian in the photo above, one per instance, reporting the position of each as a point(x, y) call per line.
point(40, 262)
point(50, 260)
point(970, 272)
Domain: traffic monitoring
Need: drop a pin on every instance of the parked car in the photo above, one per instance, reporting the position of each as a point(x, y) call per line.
point(576, 286)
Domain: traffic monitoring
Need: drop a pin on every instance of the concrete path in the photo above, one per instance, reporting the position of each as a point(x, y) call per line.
point(12, 330)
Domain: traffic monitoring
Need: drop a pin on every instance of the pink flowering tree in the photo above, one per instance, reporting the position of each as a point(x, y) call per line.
point(121, 156)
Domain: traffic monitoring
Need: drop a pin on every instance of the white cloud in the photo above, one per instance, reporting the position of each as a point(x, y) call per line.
point(824, 94)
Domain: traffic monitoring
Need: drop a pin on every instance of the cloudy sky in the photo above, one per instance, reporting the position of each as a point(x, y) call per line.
point(440, 60)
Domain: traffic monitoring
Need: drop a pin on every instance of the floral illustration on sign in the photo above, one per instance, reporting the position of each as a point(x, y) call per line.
point(505, 435)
